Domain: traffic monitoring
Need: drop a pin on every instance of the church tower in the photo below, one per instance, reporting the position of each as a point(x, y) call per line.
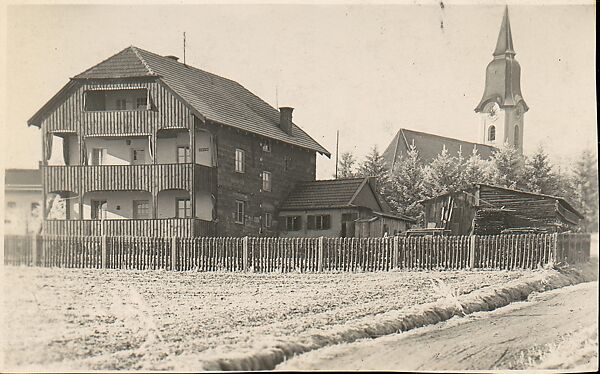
point(502, 107)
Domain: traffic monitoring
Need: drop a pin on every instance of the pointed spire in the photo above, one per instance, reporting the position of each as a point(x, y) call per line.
point(504, 46)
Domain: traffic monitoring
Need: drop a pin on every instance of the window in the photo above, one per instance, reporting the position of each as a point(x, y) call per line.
point(141, 209)
point(98, 209)
point(141, 103)
point(184, 208)
point(11, 204)
point(320, 222)
point(266, 146)
point(239, 213)
point(183, 155)
point(121, 104)
point(268, 219)
point(286, 162)
point(293, 223)
point(138, 156)
point(492, 133)
point(240, 160)
point(98, 156)
point(266, 181)
point(516, 142)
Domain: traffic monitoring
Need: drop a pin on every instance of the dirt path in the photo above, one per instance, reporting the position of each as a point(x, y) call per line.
point(507, 338)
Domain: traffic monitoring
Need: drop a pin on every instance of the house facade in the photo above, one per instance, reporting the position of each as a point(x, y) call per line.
point(141, 144)
point(488, 210)
point(338, 208)
point(22, 201)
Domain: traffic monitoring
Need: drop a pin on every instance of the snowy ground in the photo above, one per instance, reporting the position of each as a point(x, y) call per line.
point(69, 319)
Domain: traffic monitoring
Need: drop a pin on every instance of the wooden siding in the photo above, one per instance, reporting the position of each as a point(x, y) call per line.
point(162, 227)
point(147, 177)
point(167, 112)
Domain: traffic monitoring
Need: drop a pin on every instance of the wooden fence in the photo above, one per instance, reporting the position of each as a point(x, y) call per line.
point(524, 251)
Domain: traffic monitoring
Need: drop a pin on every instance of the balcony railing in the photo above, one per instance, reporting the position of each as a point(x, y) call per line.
point(146, 177)
point(161, 227)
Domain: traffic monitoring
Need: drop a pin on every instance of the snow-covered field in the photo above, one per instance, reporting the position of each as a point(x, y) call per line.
point(68, 319)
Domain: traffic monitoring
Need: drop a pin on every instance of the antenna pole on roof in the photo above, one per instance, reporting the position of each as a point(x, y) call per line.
point(184, 47)
point(276, 98)
point(337, 146)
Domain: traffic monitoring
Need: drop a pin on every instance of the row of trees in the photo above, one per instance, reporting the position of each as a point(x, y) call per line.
point(413, 180)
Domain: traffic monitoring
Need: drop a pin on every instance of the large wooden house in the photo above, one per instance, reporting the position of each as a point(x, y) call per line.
point(488, 210)
point(142, 144)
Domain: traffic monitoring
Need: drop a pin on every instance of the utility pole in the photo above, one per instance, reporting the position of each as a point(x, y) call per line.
point(337, 146)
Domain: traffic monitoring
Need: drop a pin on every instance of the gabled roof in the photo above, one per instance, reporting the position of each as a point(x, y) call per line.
point(323, 194)
point(23, 178)
point(429, 146)
point(215, 98)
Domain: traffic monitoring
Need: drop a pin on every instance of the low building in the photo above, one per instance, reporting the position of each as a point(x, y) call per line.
point(338, 208)
point(488, 210)
point(23, 199)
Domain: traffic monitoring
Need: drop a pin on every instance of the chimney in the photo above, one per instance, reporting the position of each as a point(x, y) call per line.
point(285, 119)
point(174, 58)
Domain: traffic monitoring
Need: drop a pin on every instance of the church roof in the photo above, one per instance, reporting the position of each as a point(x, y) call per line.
point(503, 73)
point(429, 146)
point(215, 98)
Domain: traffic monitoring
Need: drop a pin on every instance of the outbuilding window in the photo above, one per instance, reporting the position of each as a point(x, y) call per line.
point(320, 222)
point(293, 223)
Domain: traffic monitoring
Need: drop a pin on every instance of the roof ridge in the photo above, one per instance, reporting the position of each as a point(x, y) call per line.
point(445, 137)
point(335, 180)
point(134, 49)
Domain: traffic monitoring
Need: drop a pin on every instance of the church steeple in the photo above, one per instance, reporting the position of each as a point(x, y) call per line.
point(502, 105)
point(504, 45)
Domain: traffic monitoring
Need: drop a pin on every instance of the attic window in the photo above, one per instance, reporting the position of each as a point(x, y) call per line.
point(113, 100)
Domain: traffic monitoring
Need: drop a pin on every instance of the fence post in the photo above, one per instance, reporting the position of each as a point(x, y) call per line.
point(174, 253)
point(245, 253)
point(555, 248)
point(320, 259)
point(472, 252)
point(34, 250)
point(395, 255)
point(103, 251)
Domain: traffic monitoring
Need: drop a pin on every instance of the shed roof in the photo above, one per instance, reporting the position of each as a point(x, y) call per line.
point(335, 193)
point(215, 98)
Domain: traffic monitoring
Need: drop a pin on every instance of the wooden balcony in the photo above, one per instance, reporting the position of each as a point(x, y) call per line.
point(162, 227)
point(146, 177)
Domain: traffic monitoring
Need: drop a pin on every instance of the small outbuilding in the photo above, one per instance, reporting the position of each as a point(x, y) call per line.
point(488, 210)
point(339, 208)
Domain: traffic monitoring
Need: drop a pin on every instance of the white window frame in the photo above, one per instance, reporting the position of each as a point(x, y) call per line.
point(187, 207)
point(268, 219)
point(187, 156)
point(135, 156)
point(119, 102)
point(240, 160)
point(267, 181)
point(240, 213)
point(136, 212)
point(289, 219)
point(98, 156)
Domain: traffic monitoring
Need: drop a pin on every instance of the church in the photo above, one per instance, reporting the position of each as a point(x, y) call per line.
point(501, 111)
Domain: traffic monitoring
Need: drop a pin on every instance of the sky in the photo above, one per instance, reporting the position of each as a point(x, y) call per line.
point(363, 69)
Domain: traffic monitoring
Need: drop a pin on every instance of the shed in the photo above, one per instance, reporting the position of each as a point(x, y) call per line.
point(488, 210)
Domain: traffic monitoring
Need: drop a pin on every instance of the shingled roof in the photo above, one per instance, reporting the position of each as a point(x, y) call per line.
point(215, 98)
point(429, 146)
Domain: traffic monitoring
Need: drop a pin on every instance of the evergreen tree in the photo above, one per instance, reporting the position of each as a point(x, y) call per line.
point(406, 184)
point(506, 167)
point(346, 167)
point(374, 166)
point(584, 181)
point(537, 175)
point(443, 174)
point(475, 170)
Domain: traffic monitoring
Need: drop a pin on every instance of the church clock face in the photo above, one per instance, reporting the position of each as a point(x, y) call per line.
point(492, 109)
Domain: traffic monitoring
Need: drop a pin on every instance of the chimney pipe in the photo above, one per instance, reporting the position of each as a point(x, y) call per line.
point(285, 119)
